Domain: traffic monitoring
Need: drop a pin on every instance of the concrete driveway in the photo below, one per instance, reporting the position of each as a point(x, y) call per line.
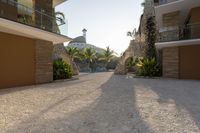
point(102, 103)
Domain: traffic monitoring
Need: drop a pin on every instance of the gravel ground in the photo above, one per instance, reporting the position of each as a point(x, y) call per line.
point(102, 103)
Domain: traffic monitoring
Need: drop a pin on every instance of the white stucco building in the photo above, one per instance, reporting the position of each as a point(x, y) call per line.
point(80, 42)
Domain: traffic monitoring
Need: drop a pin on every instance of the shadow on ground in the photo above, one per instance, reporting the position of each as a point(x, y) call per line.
point(184, 94)
point(113, 110)
point(117, 104)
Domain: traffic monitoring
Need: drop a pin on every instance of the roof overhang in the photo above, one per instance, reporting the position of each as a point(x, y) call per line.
point(57, 2)
point(15, 28)
point(162, 45)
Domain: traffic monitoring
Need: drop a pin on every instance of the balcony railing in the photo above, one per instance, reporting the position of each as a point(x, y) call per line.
point(38, 18)
point(191, 31)
point(162, 2)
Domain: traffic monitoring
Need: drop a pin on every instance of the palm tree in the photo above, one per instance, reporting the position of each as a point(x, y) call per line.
point(107, 56)
point(72, 52)
point(132, 34)
point(59, 16)
point(143, 4)
point(90, 56)
point(129, 34)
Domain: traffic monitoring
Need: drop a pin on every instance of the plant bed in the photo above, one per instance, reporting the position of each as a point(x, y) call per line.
point(61, 70)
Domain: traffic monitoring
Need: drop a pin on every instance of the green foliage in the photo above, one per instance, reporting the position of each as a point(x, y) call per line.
point(61, 70)
point(130, 63)
point(26, 19)
point(107, 56)
point(113, 63)
point(60, 16)
point(89, 55)
point(72, 52)
point(148, 67)
point(129, 34)
point(150, 31)
point(92, 59)
point(132, 34)
point(143, 4)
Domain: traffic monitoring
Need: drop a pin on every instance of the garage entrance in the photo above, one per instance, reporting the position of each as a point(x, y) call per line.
point(17, 61)
point(190, 62)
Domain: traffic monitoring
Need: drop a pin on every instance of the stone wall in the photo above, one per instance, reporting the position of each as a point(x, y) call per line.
point(137, 46)
point(60, 52)
point(170, 59)
point(43, 62)
point(121, 67)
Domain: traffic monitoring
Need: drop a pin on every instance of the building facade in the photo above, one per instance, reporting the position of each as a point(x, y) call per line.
point(80, 43)
point(178, 23)
point(28, 31)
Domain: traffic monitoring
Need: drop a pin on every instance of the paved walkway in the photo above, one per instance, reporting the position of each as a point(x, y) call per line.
point(102, 103)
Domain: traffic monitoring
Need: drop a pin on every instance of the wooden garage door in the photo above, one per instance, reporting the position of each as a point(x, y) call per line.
point(17, 66)
point(190, 62)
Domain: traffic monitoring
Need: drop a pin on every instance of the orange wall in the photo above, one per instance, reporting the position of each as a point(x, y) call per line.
point(189, 62)
point(17, 60)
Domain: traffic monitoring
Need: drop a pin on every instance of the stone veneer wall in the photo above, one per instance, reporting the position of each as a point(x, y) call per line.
point(121, 67)
point(170, 59)
point(43, 60)
point(60, 52)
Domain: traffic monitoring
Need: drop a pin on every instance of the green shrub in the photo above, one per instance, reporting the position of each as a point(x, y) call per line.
point(148, 67)
point(113, 63)
point(130, 63)
point(61, 70)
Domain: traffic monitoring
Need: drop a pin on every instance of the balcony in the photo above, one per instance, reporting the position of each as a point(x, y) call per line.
point(14, 11)
point(191, 31)
point(35, 23)
point(163, 2)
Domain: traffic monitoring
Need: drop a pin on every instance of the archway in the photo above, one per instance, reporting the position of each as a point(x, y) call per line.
point(129, 65)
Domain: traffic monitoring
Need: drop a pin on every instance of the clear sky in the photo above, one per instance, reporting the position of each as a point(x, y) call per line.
point(107, 21)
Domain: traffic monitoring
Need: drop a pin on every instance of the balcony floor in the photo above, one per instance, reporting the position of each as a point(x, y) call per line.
point(16, 28)
point(161, 45)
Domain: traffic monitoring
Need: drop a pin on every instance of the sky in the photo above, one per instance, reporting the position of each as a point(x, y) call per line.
point(107, 21)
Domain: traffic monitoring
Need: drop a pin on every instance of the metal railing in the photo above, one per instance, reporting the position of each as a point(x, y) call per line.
point(190, 31)
point(38, 18)
point(163, 2)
